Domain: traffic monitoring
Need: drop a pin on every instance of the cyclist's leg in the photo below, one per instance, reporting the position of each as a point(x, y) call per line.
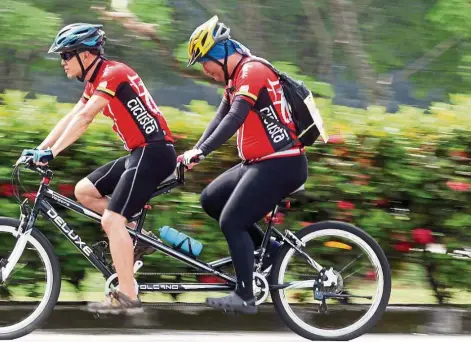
point(146, 168)
point(92, 190)
point(262, 186)
point(215, 195)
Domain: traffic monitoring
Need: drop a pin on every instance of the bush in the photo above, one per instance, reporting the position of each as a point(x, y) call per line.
point(387, 173)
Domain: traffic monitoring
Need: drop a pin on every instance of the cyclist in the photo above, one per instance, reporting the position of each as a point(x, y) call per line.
point(118, 91)
point(245, 193)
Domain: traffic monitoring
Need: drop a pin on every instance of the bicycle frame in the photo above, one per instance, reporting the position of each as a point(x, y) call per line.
point(43, 204)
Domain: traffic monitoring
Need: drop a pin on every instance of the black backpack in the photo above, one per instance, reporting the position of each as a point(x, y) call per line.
point(295, 93)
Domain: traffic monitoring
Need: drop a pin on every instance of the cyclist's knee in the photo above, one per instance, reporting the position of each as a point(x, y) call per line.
point(85, 190)
point(111, 219)
point(209, 204)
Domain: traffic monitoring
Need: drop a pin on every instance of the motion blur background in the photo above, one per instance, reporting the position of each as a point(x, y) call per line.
point(391, 79)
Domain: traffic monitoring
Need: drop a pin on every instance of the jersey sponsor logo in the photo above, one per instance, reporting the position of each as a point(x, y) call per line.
point(278, 136)
point(245, 70)
point(139, 111)
point(244, 88)
point(141, 90)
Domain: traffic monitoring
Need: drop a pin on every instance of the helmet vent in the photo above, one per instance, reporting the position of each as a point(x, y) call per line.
point(203, 40)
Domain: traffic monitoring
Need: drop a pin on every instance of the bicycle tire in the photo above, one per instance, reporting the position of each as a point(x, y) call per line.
point(276, 295)
point(45, 312)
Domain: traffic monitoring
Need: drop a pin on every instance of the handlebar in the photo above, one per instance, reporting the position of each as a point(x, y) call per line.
point(28, 163)
point(45, 171)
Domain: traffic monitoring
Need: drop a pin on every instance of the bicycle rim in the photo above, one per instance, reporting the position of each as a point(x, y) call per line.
point(358, 324)
point(23, 303)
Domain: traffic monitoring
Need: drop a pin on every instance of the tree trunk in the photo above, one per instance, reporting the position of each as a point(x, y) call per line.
point(347, 32)
point(323, 39)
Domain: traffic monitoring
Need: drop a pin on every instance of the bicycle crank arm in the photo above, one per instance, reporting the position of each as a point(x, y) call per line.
point(15, 255)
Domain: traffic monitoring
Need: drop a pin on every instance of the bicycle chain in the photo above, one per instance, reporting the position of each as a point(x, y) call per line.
point(189, 273)
point(174, 273)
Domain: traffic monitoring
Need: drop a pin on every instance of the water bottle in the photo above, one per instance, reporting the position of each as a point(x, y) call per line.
point(181, 240)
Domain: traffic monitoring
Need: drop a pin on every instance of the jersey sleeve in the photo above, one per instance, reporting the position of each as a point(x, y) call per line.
point(109, 82)
point(250, 81)
point(86, 94)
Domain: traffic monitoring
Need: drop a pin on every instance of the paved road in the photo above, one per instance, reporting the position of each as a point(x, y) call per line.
point(185, 336)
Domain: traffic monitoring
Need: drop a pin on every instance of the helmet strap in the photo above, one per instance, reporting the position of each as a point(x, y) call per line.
point(85, 71)
point(223, 66)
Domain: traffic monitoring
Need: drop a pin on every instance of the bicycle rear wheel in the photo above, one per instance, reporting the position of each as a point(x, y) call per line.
point(30, 292)
point(356, 286)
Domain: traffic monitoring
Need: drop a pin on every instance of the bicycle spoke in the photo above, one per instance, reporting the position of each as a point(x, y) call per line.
point(354, 273)
point(354, 260)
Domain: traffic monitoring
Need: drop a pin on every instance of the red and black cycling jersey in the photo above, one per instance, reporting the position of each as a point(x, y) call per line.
point(259, 138)
point(137, 119)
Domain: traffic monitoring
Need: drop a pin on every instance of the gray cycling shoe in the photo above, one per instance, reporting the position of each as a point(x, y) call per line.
point(233, 303)
point(116, 303)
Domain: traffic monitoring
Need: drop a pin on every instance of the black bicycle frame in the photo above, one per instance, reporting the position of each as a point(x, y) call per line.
point(46, 197)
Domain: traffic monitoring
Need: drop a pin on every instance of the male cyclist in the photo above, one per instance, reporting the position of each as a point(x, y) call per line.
point(118, 91)
point(245, 193)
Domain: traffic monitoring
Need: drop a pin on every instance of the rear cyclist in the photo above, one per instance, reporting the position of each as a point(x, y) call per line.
point(118, 91)
point(244, 194)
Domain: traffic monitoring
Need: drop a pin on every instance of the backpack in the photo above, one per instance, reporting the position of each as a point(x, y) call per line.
point(301, 105)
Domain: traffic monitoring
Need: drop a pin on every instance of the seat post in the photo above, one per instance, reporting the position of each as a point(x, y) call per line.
point(267, 235)
point(140, 221)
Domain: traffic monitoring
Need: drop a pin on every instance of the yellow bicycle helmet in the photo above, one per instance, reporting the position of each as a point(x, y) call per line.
point(204, 37)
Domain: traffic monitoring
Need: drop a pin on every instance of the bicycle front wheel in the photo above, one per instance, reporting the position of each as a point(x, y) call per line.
point(29, 294)
point(344, 300)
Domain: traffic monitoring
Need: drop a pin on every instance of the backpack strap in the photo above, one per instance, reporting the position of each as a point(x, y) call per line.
point(266, 117)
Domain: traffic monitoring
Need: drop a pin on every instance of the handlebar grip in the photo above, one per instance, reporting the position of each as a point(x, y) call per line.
point(195, 159)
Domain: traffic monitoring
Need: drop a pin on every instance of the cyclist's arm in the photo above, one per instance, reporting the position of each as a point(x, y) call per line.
point(79, 123)
point(223, 109)
point(60, 127)
point(229, 125)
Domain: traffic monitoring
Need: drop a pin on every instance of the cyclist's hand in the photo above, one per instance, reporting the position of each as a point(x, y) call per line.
point(25, 153)
point(193, 156)
point(29, 152)
point(42, 157)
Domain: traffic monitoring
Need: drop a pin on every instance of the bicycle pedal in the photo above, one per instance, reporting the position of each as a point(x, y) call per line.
point(137, 265)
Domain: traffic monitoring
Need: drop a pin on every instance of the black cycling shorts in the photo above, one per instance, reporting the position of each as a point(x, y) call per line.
point(131, 180)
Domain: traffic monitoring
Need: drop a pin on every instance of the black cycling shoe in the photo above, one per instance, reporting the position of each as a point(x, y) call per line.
point(233, 303)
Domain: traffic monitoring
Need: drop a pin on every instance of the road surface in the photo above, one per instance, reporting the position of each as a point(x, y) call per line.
point(185, 336)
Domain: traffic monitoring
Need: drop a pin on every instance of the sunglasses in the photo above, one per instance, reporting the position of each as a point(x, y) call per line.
point(67, 56)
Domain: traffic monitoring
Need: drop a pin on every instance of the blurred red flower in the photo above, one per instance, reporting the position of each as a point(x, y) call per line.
point(370, 275)
point(422, 236)
point(336, 139)
point(210, 279)
point(345, 205)
point(6, 190)
point(30, 195)
point(381, 202)
point(402, 246)
point(66, 190)
point(458, 186)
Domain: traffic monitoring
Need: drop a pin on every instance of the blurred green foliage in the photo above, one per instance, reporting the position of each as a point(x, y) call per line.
point(409, 160)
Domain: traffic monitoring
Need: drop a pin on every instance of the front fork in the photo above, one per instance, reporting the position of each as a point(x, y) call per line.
point(23, 233)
